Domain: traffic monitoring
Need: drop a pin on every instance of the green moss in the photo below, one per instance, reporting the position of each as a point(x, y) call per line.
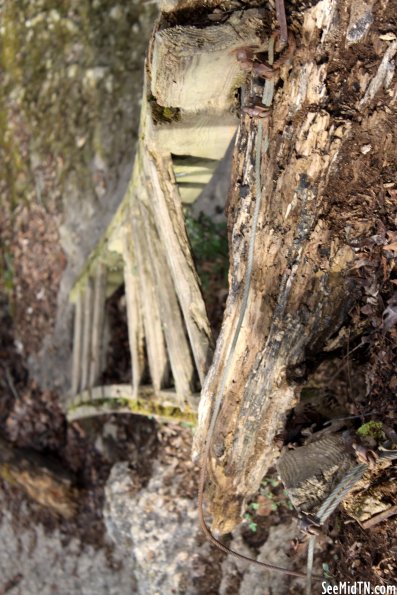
point(161, 412)
point(163, 114)
point(372, 429)
point(148, 408)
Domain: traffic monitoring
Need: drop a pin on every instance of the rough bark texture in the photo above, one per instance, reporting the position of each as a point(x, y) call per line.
point(332, 157)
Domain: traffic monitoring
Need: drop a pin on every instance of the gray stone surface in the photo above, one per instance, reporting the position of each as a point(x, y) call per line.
point(102, 125)
point(160, 531)
point(35, 562)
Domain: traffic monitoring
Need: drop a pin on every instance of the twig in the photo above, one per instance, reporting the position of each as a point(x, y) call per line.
point(378, 518)
point(282, 20)
point(10, 383)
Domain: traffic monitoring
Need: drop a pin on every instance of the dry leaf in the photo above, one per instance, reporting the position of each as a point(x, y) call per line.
point(392, 246)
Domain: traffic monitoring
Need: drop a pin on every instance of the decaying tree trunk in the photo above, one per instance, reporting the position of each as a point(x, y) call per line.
point(331, 164)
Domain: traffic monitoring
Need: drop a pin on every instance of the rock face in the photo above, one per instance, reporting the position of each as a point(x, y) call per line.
point(33, 560)
point(72, 92)
point(159, 529)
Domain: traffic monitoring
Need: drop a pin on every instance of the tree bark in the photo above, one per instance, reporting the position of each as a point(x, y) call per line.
point(330, 166)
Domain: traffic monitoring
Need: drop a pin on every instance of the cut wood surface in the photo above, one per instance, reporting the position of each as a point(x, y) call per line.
point(310, 473)
point(192, 67)
point(312, 213)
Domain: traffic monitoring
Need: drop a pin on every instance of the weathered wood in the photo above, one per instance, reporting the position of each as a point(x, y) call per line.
point(205, 135)
point(311, 472)
point(301, 289)
point(97, 324)
point(174, 329)
point(193, 79)
point(192, 176)
point(39, 478)
point(88, 299)
point(163, 405)
point(136, 336)
point(155, 344)
point(193, 119)
point(77, 344)
point(372, 496)
point(198, 120)
point(173, 6)
point(166, 396)
point(170, 224)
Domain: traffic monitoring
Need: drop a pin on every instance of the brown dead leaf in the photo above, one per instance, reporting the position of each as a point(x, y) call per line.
point(392, 246)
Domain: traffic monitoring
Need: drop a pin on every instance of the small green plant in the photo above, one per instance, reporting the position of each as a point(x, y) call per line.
point(252, 525)
point(270, 489)
point(271, 497)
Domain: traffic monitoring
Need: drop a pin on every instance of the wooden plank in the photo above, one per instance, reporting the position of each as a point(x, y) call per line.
point(193, 167)
point(155, 344)
point(136, 336)
point(97, 324)
point(77, 344)
point(190, 192)
point(87, 334)
point(168, 214)
point(174, 329)
point(120, 398)
point(192, 175)
point(203, 134)
point(167, 397)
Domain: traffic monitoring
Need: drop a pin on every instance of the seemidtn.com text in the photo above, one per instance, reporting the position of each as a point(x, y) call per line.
point(357, 588)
